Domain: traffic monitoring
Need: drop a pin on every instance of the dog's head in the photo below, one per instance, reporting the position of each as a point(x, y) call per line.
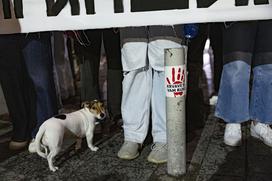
point(96, 108)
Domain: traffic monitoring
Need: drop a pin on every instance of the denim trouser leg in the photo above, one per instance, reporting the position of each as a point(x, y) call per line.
point(158, 107)
point(137, 87)
point(38, 59)
point(156, 59)
point(144, 79)
point(261, 96)
point(233, 97)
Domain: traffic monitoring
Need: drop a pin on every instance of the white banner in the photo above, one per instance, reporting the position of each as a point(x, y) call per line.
point(46, 15)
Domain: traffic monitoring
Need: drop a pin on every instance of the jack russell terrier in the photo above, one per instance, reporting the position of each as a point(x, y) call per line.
point(80, 123)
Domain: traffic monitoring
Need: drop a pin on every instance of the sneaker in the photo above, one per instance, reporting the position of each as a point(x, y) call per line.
point(158, 153)
point(213, 100)
point(129, 150)
point(233, 135)
point(263, 132)
point(17, 145)
point(32, 146)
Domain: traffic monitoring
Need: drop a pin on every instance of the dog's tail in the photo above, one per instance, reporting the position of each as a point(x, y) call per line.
point(38, 141)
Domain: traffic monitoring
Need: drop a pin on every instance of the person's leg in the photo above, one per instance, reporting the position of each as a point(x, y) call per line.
point(233, 97)
point(161, 38)
point(111, 39)
point(38, 59)
point(195, 98)
point(16, 87)
point(261, 100)
point(137, 86)
point(215, 34)
point(90, 60)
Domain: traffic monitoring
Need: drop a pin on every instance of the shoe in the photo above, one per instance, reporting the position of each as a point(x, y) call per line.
point(129, 150)
point(233, 135)
point(32, 146)
point(17, 145)
point(158, 153)
point(262, 132)
point(213, 100)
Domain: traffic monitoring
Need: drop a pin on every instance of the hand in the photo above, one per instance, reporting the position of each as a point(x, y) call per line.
point(176, 82)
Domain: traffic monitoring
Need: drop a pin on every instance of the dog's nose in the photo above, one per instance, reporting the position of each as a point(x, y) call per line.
point(102, 115)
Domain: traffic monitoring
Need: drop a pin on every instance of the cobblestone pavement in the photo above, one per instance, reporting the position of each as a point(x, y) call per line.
point(208, 159)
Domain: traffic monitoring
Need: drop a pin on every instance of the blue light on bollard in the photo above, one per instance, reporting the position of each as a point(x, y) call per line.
point(190, 30)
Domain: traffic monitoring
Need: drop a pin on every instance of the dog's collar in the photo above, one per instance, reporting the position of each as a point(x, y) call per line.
point(99, 121)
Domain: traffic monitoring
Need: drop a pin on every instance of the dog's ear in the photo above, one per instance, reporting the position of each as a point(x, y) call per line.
point(85, 104)
point(91, 103)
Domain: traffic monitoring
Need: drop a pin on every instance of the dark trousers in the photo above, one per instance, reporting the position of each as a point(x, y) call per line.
point(216, 41)
point(27, 81)
point(195, 97)
point(37, 56)
point(17, 87)
point(213, 31)
point(90, 57)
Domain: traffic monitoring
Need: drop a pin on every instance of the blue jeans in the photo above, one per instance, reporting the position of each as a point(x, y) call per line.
point(235, 105)
point(247, 50)
point(38, 59)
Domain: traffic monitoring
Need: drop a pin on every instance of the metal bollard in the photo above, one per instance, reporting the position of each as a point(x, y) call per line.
point(176, 86)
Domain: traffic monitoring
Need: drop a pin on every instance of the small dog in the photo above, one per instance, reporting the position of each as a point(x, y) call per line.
point(80, 123)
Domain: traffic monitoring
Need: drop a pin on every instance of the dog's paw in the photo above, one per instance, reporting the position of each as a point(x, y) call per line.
point(94, 148)
point(53, 169)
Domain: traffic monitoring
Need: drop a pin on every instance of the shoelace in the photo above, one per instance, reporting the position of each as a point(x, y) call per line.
point(265, 129)
point(156, 146)
point(126, 143)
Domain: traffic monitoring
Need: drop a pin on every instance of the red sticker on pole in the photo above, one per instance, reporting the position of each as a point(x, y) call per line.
point(175, 82)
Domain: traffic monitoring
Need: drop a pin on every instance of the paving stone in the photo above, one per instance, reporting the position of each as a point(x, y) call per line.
point(220, 158)
point(219, 161)
point(202, 146)
point(257, 147)
point(212, 161)
point(160, 174)
point(109, 168)
point(259, 177)
point(218, 178)
point(260, 164)
point(112, 146)
point(33, 167)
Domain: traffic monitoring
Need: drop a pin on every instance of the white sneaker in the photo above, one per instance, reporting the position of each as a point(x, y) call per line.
point(233, 134)
point(158, 153)
point(213, 100)
point(263, 132)
point(32, 146)
point(129, 150)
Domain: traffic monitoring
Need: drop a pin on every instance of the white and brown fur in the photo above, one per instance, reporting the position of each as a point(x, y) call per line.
point(80, 123)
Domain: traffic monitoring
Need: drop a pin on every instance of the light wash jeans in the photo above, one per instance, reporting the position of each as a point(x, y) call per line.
point(143, 83)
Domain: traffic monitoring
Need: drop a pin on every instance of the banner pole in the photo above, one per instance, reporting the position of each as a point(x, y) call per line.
point(176, 85)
